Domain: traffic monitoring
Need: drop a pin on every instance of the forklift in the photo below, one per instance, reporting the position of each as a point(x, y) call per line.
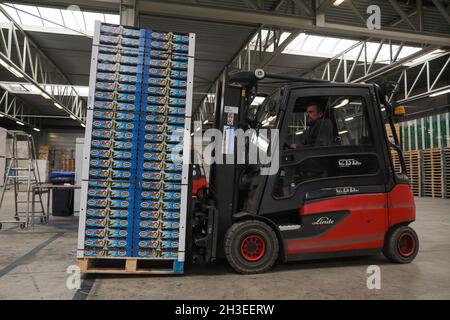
point(336, 199)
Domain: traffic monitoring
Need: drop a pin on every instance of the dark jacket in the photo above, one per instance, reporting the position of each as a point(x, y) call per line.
point(320, 133)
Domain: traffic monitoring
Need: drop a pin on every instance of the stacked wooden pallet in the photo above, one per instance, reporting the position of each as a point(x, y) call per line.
point(413, 168)
point(390, 133)
point(433, 173)
point(447, 171)
point(396, 161)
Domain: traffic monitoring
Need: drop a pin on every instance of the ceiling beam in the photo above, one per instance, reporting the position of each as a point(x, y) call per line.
point(442, 10)
point(283, 21)
point(402, 13)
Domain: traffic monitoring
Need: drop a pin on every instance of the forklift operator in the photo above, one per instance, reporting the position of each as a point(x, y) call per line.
point(319, 131)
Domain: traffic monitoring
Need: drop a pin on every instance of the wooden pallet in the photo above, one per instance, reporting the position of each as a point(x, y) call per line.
point(396, 161)
point(129, 266)
point(433, 173)
point(447, 171)
point(413, 168)
point(390, 134)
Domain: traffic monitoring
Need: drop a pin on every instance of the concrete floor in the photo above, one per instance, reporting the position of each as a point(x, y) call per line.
point(33, 265)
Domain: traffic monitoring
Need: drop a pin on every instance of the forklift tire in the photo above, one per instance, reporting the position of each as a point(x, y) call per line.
point(251, 247)
point(401, 244)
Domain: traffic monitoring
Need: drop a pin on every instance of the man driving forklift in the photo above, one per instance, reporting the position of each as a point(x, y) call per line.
point(319, 131)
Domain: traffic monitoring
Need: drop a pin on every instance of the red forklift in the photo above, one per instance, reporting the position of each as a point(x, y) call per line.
point(335, 199)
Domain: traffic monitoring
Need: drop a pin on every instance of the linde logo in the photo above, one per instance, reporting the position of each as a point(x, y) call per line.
point(344, 190)
point(323, 221)
point(346, 163)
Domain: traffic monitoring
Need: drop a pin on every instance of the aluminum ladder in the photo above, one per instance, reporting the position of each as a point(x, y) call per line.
point(22, 172)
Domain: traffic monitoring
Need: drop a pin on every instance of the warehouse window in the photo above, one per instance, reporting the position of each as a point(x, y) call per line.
point(69, 19)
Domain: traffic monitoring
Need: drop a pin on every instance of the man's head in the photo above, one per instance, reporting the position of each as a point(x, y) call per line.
point(314, 113)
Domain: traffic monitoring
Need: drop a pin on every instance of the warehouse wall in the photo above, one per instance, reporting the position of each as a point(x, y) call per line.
point(62, 147)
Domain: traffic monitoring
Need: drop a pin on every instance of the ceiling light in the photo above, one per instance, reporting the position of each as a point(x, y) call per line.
point(349, 119)
point(342, 132)
point(73, 117)
point(11, 69)
point(337, 2)
point(383, 109)
point(192, 134)
point(1, 115)
point(83, 125)
point(439, 93)
point(197, 129)
point(58, 105)
point(205, 122)
point(36, 129)
point(21, 123)
point(342, 103)
point(298, 133)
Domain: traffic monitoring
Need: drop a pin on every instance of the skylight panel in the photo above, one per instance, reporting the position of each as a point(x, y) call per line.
point(13, 13)
point(327, 45)
point(29, 15)
point(51, 15)
point(342, 45)
point(312, 43)
point(73, 19)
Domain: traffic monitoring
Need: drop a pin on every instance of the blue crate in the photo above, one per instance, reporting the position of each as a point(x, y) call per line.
point(106, 233)
point(107, 244)
point(121, 78)
point(158, 244)
point(166, 63)
point(158, 254)
point(159, 215)
point(110, 163)
point(110, 174)
point(171, 121)
point(165, 92)
point(114, 106)
point(161, 195)
point(137, 59)
point(109, 213)
point(167, 46)
point(168, 36)
point(159, 234)
point(113, 134)
point(164, 82)
point(163, 73)
point(116, 96)
point(162, 166)
point(112, 144)
point(109, 193)
point(165, 55)
point(113, 253)
point(114, 124)
point(115, 115)
point(160, 185)
point(116, 86)
point(112, 154)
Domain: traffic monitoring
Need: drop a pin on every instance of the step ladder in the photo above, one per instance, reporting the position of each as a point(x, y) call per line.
point(23, 174)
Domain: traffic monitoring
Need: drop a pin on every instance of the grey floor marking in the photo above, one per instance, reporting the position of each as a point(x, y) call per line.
point(28, 255)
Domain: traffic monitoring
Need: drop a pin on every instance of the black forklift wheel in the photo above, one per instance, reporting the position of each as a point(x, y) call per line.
point(401, 244)
point(251, 247)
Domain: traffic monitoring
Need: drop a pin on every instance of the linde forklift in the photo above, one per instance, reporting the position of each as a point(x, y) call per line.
point(335, 199)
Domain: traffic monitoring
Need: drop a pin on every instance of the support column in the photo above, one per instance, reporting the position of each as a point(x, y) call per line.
point(128, 13)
